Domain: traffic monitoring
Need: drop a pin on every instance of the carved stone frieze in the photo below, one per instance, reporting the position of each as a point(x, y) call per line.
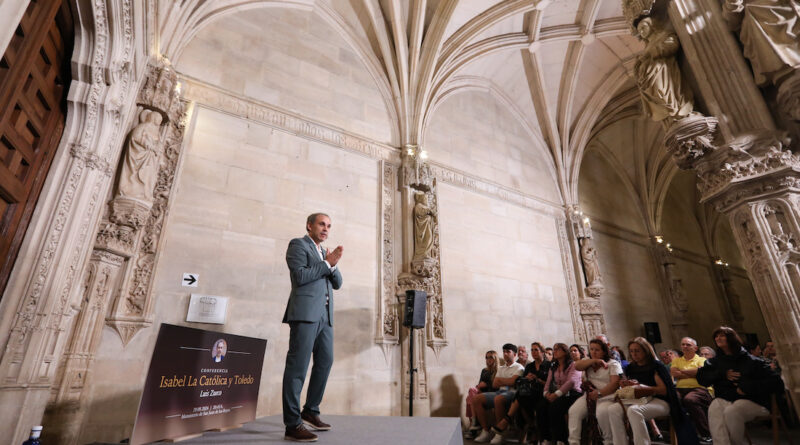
point(387, 317)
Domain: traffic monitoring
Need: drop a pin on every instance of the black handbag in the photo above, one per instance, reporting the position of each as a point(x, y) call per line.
point(525, 387)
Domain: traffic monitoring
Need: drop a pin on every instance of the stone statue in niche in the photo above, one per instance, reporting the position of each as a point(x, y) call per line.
point(424, 220)
point(590, 264)
point(770, 34)
point(658, 75)
point(140, 168)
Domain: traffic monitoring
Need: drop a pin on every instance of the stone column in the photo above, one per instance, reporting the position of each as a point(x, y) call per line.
point(139, 197)
point(592, 283)
point(421, 268)
point(745, 166)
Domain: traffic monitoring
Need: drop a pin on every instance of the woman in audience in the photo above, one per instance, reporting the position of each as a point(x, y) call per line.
point(576, 353)
point(648, 392)
point(484, 385)
point(602, 375)
point(743, 386)
point(562, 388)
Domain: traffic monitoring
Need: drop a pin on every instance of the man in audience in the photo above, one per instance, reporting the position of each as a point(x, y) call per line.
point(707, 352)
point(771, 356)
point(754, 349)
point(502, 398)
point(614, 354)
point(548, 354)
point(522, 355)
point(695, 397)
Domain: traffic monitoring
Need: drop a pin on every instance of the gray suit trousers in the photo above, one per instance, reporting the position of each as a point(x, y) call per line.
point(305, 339)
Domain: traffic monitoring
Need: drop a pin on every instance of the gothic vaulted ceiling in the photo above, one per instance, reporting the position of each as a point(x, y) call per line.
point(556, 64)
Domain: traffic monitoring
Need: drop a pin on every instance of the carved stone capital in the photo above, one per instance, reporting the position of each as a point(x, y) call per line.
point(129, 212)
point(690, 139)
point(116, 238)
point(749, 166)
point(424, 267)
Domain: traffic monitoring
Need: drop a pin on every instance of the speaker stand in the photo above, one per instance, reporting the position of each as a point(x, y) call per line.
point(411, 371)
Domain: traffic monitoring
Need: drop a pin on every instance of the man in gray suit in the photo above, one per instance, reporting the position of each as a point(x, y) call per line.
point(309, 313)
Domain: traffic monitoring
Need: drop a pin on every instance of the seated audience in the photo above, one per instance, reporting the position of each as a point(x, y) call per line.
point(693, 395)
point(743, 385)
point(562, 388)
point(649, 381)
point(706, 352)
point(526, 401)
point(484, 385)
point(548, 354)
point(576, 353)
point(602, 375)
point(501, 399)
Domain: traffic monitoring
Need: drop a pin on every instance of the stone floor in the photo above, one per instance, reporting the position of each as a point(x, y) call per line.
point(759, 435)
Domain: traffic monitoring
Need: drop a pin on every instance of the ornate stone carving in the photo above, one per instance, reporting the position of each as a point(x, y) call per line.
point(691, 138)
point(664, 97)
point(423, 263)
point(567, 254)
point(136, 216)
point(590, 264)
point(388, 321)
point(42, 294)
point(140, 167)
point(635, 9)
point(770, 34)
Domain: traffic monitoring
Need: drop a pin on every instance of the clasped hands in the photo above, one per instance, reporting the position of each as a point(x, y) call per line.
point(334, 255)
point(733, 376)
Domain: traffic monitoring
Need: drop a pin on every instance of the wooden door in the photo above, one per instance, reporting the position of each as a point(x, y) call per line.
point(34, 75)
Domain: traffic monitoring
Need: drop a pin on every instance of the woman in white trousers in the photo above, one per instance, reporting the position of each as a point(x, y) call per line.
point(603, 373)
point(743, 387)
point(649, 378)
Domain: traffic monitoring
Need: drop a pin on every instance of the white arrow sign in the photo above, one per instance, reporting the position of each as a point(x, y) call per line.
point(190, 279)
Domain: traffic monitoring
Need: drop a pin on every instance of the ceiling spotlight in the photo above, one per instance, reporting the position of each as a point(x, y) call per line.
point(423, 154)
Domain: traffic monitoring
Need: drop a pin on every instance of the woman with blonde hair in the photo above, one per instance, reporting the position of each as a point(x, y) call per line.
point(484, 385)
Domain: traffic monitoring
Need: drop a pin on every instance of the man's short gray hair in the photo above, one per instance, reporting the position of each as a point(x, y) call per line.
point(312, 218)
point(694, 342)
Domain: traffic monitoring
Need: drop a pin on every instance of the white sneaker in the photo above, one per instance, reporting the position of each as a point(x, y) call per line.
point(484, 436)
point(497, 440)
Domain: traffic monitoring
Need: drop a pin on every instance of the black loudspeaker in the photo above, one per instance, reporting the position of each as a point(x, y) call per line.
point(415, 309)
point(651, 332)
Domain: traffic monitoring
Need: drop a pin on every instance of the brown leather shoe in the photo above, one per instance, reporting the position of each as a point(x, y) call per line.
point(312, 420)
point(299, 434)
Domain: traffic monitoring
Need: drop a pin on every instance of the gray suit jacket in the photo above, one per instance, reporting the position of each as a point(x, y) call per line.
point(312, 282)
